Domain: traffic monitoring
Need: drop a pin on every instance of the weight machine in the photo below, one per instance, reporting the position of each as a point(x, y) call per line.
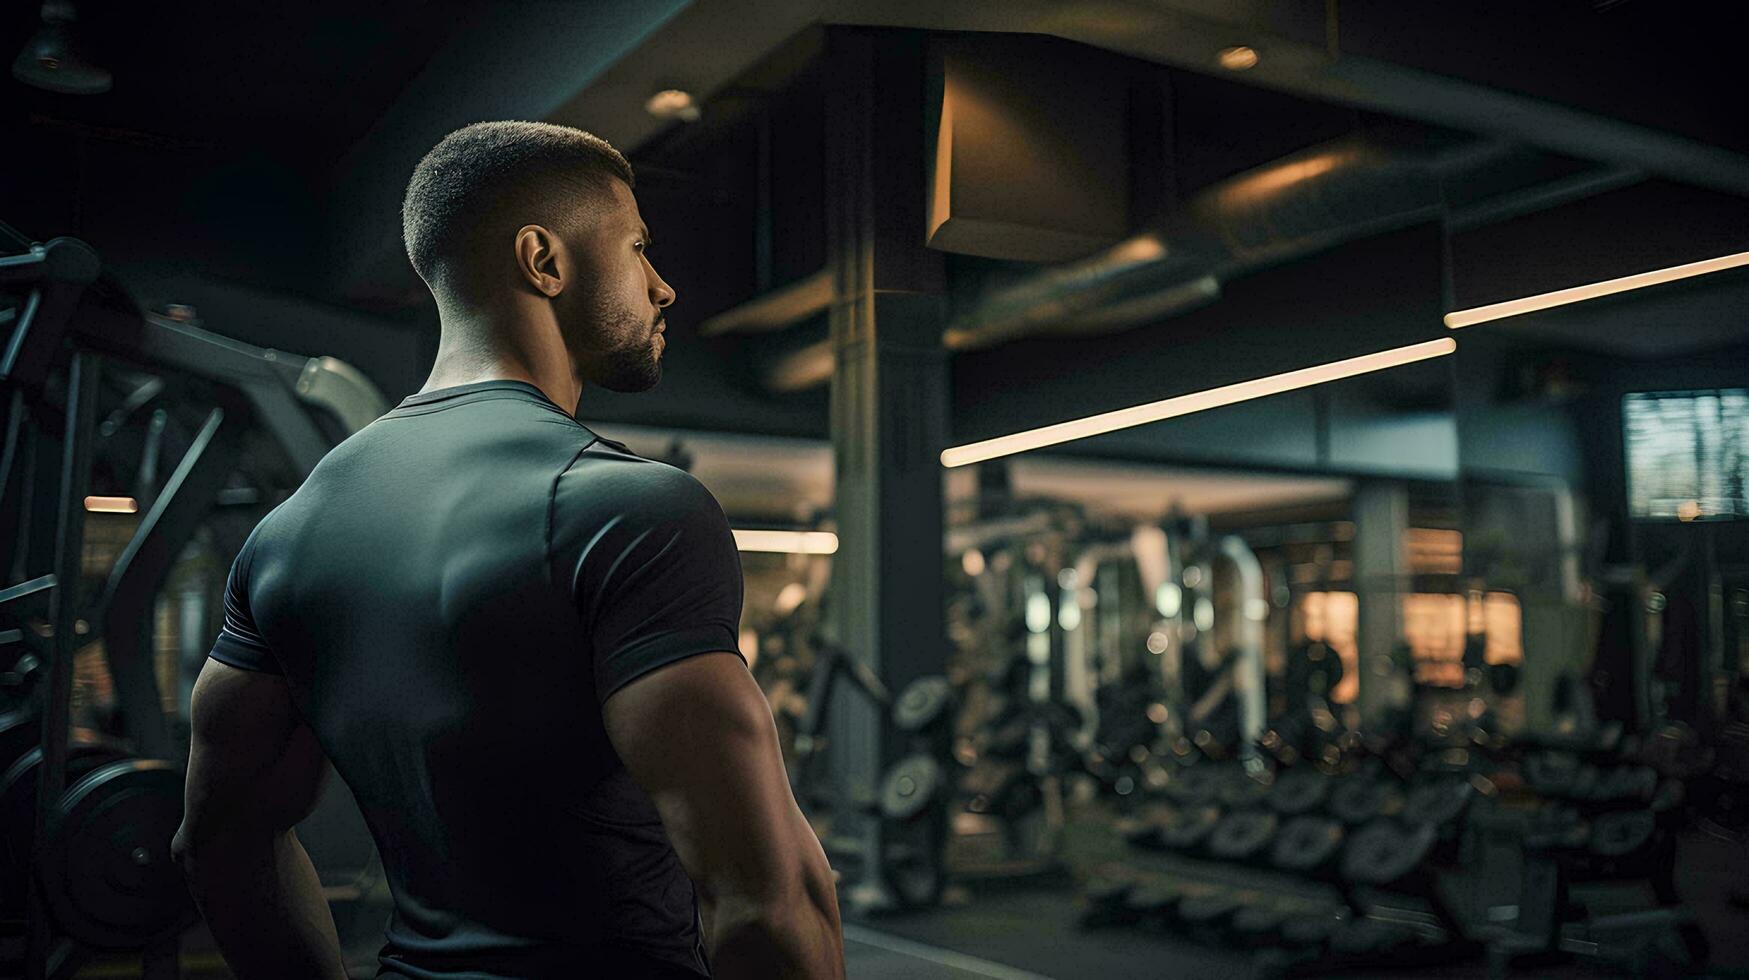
point(97, 866)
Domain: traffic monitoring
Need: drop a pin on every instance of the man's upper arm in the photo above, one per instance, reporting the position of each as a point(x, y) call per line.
point(698, 736)
point(254, 767)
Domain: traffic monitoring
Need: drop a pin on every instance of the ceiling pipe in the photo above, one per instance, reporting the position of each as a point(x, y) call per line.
point(1310, 201)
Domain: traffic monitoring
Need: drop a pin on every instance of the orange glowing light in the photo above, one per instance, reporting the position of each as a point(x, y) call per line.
point(112, 505)
point(1238, 58)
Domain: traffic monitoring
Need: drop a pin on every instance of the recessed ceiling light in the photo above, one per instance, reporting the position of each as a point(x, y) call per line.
point(673, 103)
point(1238, 58)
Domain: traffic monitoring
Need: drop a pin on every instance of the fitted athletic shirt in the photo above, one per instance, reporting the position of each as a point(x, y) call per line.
point(451, 595)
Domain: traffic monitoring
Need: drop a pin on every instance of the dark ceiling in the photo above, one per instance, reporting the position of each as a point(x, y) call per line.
point(222, 117)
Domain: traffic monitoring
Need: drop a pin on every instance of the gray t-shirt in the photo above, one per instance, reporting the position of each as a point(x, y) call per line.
point(451, 595)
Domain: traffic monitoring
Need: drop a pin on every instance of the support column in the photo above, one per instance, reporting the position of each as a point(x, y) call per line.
point(1381, 575)
point(888, 409)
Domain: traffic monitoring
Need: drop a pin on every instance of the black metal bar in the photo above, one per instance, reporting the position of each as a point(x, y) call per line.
point(28, 267)
point(141, 569)
point(82, 381)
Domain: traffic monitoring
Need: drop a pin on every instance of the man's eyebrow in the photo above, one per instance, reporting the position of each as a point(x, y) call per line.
point(646, 235)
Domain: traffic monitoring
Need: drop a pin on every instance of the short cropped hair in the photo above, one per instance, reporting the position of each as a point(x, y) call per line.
point(482, 175)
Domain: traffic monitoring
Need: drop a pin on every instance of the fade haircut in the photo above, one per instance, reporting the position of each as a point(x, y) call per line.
point(481, 178)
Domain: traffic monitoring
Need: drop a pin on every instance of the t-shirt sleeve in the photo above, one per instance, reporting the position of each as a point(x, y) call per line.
point(658, 578)
point(239, 643)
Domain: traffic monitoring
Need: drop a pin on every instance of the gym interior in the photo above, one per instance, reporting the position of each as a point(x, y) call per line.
point(1223, 489)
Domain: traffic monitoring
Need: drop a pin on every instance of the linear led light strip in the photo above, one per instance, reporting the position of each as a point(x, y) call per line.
point(1609, 287)
point(789, 542)
point(1123, 418)
point(112, 505)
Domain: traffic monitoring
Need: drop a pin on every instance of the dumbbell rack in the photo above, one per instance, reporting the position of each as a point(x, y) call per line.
point(1625, 840)
point(1371, 903)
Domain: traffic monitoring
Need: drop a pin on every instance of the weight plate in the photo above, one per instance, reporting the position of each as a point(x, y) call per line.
point(1437, 804)
point(1195, 785)
point(1382, 853)
point(1628, 783)
point(18, 813)
point(18, 732)
point(1551, 773)
point(1362, 799)
point(1621, 832)
point(1307, 844)
point(1297, 791)
point(1586, 783)
point(1243, 835)
point(1189, 827)
point(911, 786)
point(923, 702)
point(105, 865)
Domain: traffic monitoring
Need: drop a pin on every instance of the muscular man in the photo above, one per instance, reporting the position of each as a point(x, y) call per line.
point(515, 640)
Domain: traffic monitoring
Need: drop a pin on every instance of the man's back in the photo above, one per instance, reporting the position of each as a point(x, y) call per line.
point(451, 596)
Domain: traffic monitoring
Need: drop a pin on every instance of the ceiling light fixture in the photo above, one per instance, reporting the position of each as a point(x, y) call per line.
point(53, 58)
point(1608, 287)
point(1124, 418)
point(787, 542)
point(1238, 58)
point(673, 103)
point(112, 505)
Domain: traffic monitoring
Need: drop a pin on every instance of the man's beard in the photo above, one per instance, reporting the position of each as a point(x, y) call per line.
point(632, 368)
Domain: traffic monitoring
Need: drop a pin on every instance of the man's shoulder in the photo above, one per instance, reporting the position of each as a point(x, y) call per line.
point(607, 480)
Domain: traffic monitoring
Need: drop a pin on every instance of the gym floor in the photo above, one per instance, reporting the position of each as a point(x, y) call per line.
point(1029, 929)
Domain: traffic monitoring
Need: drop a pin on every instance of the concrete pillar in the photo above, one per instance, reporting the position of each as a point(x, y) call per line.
point(888, 404)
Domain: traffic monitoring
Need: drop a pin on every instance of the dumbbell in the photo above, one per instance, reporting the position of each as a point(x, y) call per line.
point(1442, 803)
point(1385, 854)
point(1361, 798)
point(1298, 790)
point(1242, 836)
point(1188, 828)
point(1308, 845)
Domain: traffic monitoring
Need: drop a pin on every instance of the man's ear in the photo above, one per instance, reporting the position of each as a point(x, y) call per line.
point(540, 259)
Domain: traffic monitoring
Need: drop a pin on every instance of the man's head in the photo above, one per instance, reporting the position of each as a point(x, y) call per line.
point(501, 215)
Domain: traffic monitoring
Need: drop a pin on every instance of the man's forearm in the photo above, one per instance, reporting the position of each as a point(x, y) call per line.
point(800, 943)
point(263, 901)
point(800, 938)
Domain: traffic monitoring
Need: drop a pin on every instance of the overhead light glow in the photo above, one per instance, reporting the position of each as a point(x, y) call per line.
point(1609, 287)
point(112, 505)
point(788, 542)
point(1238, 58)
point(1124, 418)
point(673, 103)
